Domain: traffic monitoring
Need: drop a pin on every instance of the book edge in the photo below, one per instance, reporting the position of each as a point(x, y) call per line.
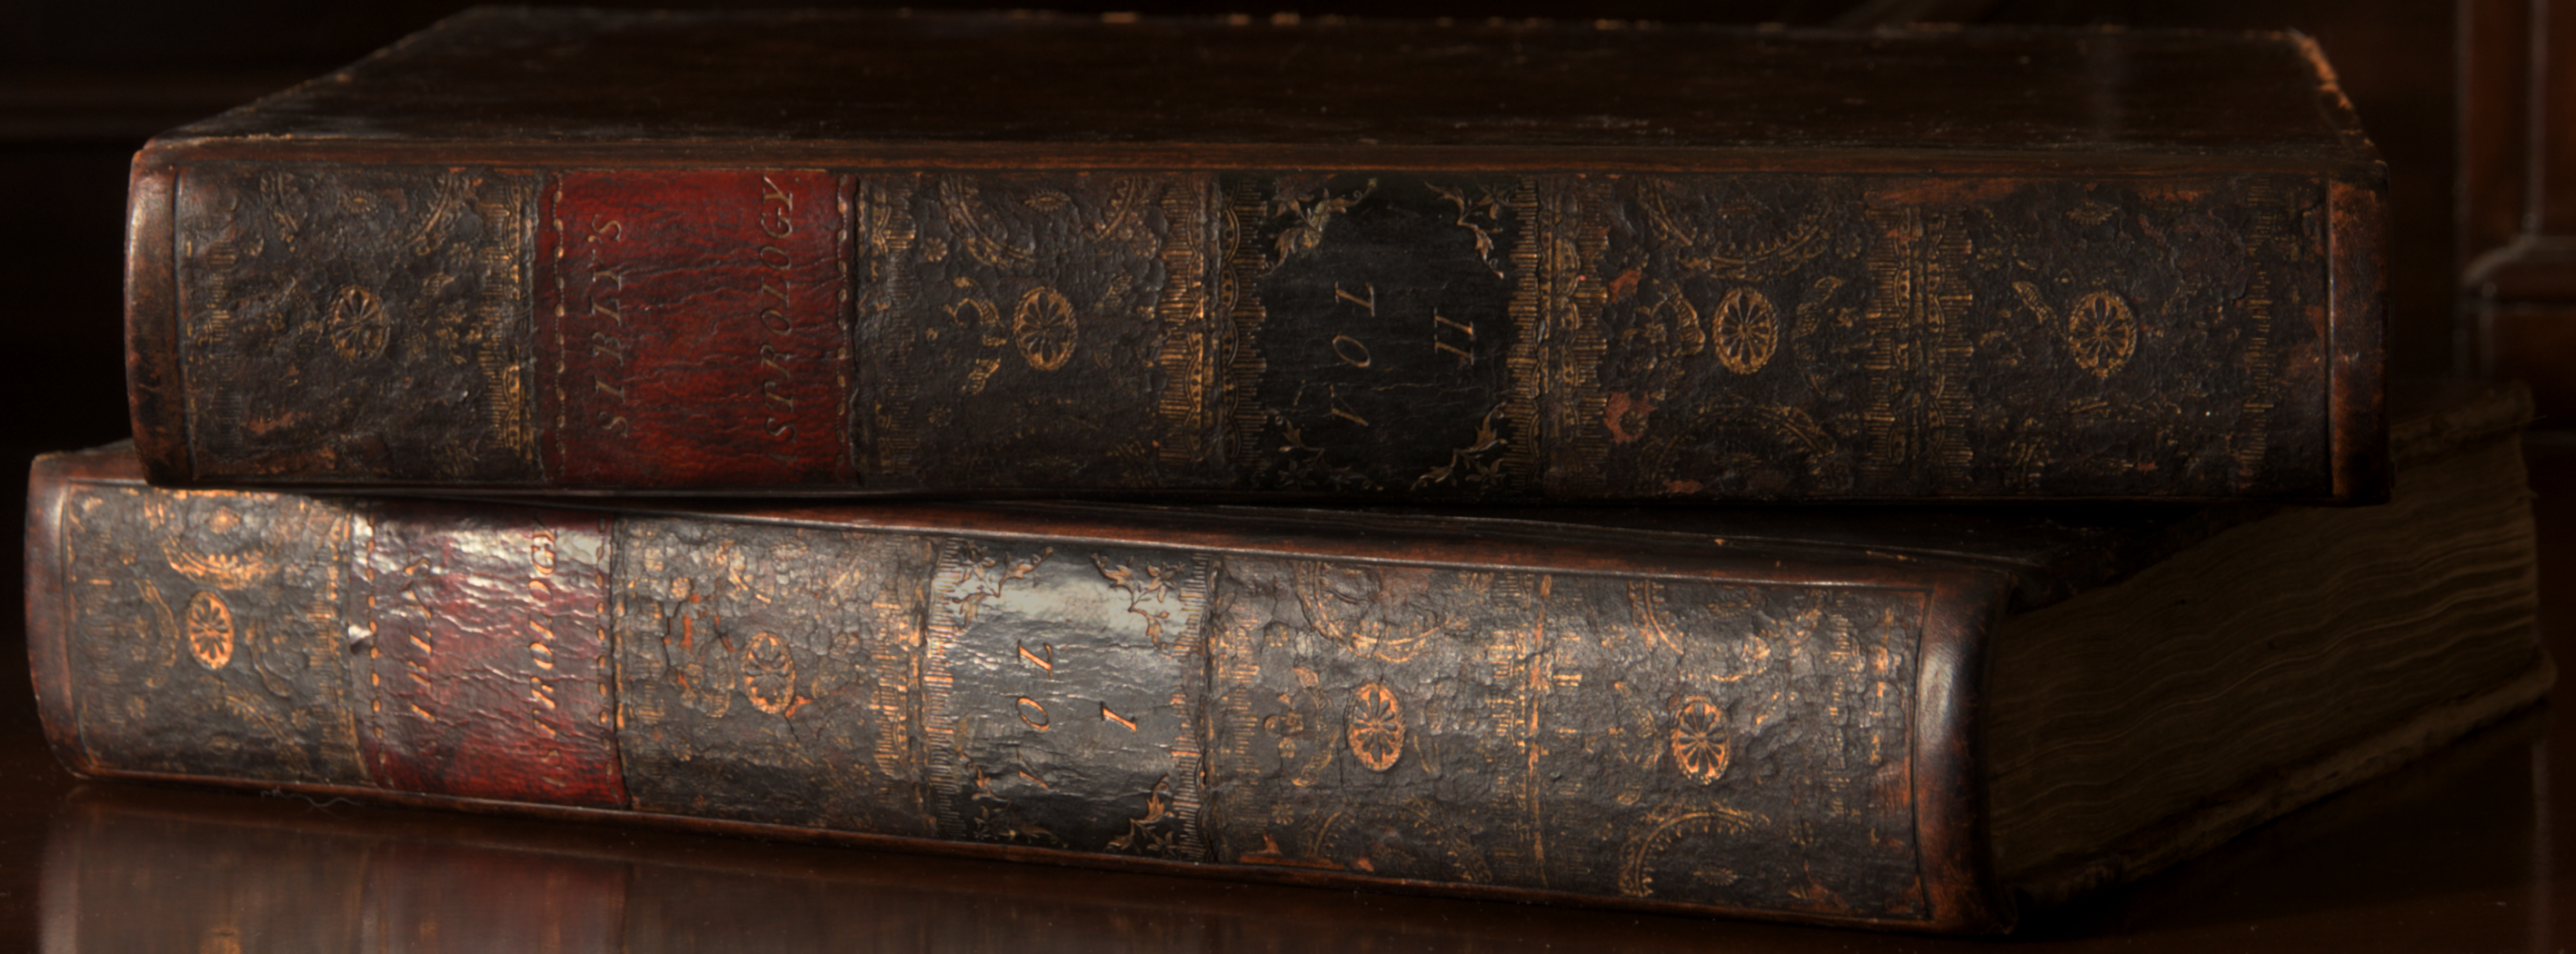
point(156, 395)
point(181, 146)
point(1494, 546)
point(2332, 101)
point(48, 635)
point(2195, 831)
point(1952, 842)
point(2459, 415)
point(2356, 333)
point(2336, 119)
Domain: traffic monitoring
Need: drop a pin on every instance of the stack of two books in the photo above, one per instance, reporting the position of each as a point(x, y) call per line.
point(1848, 478)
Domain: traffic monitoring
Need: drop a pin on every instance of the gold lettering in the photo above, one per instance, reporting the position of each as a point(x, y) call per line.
point(1025, 705)
point(609, 389)
point(1344, 345)
point(603, 343)
point(1465, 357)
point(607, 307)
point(611, 229)
point(1115, 717)
point(774, 222)
point(1340, 411)
point(611, 422)
point(781, 429)
point(1369, 303)
point(1047, 662)
point(776, 257)
point(777, 322)
point(611, 274)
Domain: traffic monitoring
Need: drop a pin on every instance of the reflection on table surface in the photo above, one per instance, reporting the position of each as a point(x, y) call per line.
point(135, 868)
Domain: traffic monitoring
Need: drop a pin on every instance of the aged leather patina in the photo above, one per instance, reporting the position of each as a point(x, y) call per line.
point(1643, 264)
point(1529, 717)
point(1764, 711)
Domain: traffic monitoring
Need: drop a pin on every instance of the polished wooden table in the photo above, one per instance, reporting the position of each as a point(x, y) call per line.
point(2464, 851)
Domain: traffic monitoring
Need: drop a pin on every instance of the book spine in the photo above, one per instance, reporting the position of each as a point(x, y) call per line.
point(1578, 723)
point(1430, 335)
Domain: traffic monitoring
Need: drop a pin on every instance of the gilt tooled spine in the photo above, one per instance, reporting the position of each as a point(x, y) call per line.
point(1488, 337)
point(1580, 723)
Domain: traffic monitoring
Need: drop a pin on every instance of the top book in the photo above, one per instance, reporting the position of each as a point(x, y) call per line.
point(1499, 262)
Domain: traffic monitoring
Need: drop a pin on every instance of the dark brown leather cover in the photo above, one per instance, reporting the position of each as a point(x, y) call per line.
point(1614, 717)
point(863, 253)
point(1760, 710)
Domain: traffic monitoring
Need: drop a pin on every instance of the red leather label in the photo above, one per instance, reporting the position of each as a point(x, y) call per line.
point(486, 672)
point(663, 296)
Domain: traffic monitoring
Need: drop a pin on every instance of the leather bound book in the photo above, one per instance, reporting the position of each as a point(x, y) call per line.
point(1356, 261)
point(1905, 717)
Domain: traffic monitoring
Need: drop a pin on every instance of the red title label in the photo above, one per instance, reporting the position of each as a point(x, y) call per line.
point(689, 328)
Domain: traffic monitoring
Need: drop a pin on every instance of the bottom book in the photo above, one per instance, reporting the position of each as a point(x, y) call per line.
point(1906, 718)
